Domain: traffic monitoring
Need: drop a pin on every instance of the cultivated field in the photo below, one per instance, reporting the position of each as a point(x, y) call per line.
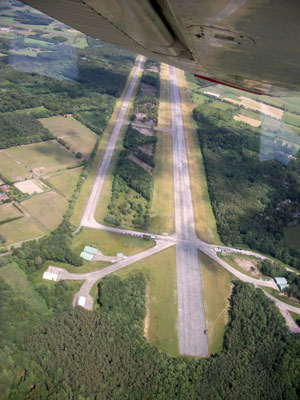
point(11, 170)
point(162, 292)
point(48, 208)
point(42, 157)
point(21, 229)
point(31, 186)
point(247, 120)
point(257, 106)
point(216, 284)
point(77, 136)
point(65, 182)
point(8, 211)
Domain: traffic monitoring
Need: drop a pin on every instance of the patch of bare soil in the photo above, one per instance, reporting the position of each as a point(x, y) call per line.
point(152, 68)
point(38, 171)
point(247, 120)
point(147, 318)
point(148, 90)
point(140, 163)
point(248, 265)
point(144, 130)
point(147, 149)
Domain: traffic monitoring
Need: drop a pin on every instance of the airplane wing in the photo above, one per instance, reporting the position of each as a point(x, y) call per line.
point(252, 45)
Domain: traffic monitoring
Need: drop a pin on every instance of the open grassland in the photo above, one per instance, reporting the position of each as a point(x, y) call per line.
point(8, 211)
point(48, 208)
point(292, 237)
point(216, 284)
point(161, 270)
point(231, 260)
point(22, 229)
point(46, 156)
point(77, 136)
point(27, 111)
point(11, 170)
point(292, 119)
point(164, 110)
point(88, 184)
point(65, 182)
point(162, 212)
point(220, 105)
point(204, 218)
point(110, 243)
point(22, 288)
point(88, 266)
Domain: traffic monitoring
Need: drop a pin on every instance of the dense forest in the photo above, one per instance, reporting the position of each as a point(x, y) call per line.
point(77, 354)
point(253, 200)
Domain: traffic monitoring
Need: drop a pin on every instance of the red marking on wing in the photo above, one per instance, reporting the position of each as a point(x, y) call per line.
point(226, 84)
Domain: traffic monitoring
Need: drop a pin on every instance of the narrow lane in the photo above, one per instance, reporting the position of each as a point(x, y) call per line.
point(90, 209)
point(191, 315)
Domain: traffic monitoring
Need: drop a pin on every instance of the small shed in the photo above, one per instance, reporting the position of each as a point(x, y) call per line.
point(81, 301)
point(86, 256)
point(50, 276)
point(90, 249)
point(281, 282)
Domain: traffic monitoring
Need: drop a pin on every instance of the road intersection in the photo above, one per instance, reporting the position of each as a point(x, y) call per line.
point(191, 313)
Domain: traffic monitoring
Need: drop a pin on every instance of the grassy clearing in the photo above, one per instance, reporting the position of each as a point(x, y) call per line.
point(162, 212)
point(18, 281)
point(230, 260)
point(27, 111)
point(250, 114)
point(65, 182)
point(22, 229)
point(216, 283)
point(8, 211)
point(11, 170)
point(88, 266)
point(77, 136)
point(204, 218)
point(49, 156)
point(220, 105)
point(110, 243)
point(292, 237)
point(161, 270)
point(162, 219)
point(88, 184)
point(48, 208)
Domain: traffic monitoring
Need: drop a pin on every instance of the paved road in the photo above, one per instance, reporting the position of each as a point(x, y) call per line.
point(90, 209)
point(191, 315)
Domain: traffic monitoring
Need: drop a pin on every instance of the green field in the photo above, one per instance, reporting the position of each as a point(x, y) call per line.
point(27, 111)
point(11, 170)
point(251, 114)
point(216, 284)
point(292, 237)
point(21, 229)
point(221, 105)
point(161, 270)
point(65, 182)
point(110, 243)
point(49, 156)
point(38, 43)
point(292, 119)
point(8, 211)
point(23, 289)
point(230, 260)
point(77, 136)
point(48, 208)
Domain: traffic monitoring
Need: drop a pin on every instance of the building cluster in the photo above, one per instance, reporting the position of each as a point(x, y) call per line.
point(4, 188)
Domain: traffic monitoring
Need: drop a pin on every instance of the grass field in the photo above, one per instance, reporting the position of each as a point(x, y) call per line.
point(87, 266)
point(250, 114)
point(11, 170)
point(48, 208)
point(216, 284)
point(88, 184)
point(65, 182)
point(221, 105)
point(77, 136)
point(21, 229)
point(230, 260)
point(162, 219)
point(8, 211)
point(22, 288)
point(110, 243)
point(292, 119)
point(49, 156)
point(292, 237)
point(204, 218)
point(27, 111)
point(161, 270)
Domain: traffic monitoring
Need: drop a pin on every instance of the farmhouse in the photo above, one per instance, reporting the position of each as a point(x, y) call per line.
point(281, 282)
point(4, 188)
point(3, 197)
